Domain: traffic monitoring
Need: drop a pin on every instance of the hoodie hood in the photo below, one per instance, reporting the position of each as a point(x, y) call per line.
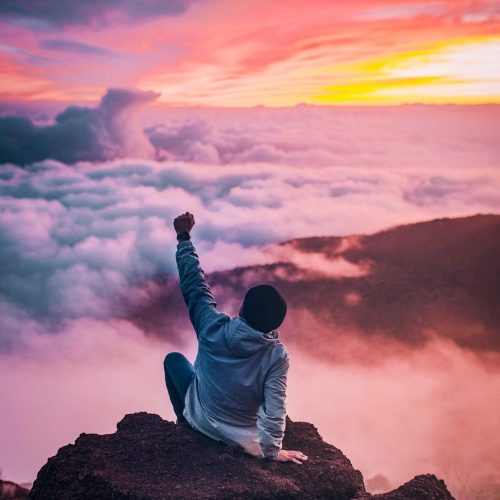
point(243, 340)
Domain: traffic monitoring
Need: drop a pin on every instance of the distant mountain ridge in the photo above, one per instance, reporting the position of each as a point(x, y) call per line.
point(435, 278)
point(12, 491)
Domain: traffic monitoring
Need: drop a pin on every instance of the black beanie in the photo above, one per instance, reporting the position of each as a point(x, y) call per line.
point(264, 308)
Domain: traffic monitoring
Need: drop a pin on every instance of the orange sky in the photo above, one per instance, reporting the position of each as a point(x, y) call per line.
point(254, 52)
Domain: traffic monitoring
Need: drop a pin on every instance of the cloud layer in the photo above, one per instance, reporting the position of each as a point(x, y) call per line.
point(406, 414)
point(431, 138)
point(77, 239)
point(79, 133)
point(423, 137)
point(401, 416)
point(85, 247)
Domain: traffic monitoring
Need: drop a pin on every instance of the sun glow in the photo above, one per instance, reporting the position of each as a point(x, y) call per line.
point(251, 53)
point(463, 71)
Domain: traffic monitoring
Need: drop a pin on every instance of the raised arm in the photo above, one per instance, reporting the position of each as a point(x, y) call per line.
point(194, 286)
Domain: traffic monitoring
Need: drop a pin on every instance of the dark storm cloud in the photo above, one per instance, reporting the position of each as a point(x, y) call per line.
point(96, 13)
point(73, 46)
point(79, 133)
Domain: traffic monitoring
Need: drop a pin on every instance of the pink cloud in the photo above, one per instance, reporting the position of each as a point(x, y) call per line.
point(213, 53)
point(407, 414)
point(425, 137)
point(73, 382)
point(398, 413)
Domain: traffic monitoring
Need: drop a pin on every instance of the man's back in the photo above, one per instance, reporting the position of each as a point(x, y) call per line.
point(238, 392)
point(233, 362)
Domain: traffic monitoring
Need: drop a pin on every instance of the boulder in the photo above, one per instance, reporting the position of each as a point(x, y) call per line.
point(151, 458)
point(12, 491)
point(423, 487)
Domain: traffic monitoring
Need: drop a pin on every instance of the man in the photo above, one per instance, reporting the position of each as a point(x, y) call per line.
point(236, 391)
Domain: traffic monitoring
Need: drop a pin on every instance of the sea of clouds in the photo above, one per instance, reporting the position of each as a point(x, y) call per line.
point(87, 202)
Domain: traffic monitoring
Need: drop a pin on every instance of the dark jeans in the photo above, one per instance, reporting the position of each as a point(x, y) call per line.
point(178, 375)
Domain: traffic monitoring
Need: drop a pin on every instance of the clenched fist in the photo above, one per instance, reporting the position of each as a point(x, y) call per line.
point(184, 222)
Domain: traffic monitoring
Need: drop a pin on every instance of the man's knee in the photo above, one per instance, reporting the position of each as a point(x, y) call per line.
point(172, 358)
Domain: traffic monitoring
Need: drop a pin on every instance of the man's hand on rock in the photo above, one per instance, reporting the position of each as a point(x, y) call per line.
point(184, 223)
point(291, 456)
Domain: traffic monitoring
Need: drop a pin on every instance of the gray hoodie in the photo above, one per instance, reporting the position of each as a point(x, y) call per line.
point(238, 391)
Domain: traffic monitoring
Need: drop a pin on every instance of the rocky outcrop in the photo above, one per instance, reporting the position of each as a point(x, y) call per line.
point(423, 487)
point(12, 491)
point(150, 458)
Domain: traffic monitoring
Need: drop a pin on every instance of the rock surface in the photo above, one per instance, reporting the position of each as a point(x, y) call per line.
point(12, 491)
point(150, 458)
point(425, 486)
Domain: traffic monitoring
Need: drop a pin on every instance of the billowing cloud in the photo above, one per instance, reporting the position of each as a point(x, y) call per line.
point(425, 137)
point(429, 138)
point(49, 14)
point(79, 133)
point(83, 240)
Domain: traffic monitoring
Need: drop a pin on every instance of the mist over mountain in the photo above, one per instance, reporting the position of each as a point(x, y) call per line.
point(406, 284)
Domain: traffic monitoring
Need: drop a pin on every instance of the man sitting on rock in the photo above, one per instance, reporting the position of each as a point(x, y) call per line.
point(236, 391)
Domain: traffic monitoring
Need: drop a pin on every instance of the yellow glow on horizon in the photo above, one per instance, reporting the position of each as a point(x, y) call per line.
point(462, 71)
point(465, 71)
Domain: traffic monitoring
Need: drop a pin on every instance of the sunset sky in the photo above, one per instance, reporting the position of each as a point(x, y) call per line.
point(269, 121)
point(253, 52)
